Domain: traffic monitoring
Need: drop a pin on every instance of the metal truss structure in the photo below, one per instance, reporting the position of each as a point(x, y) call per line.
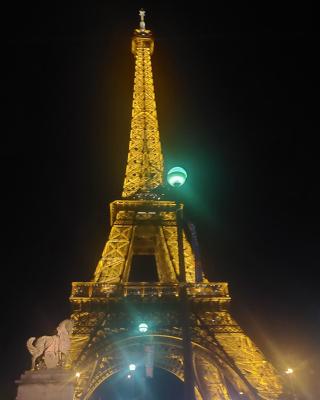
point(143, 227)
point(145, 163)
point(107, 309)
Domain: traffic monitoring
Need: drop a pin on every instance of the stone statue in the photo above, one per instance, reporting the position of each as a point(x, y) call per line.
point(51, 351)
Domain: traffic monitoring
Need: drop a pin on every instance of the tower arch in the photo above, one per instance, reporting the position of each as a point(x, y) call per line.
point(123, 385)
point(106, 359)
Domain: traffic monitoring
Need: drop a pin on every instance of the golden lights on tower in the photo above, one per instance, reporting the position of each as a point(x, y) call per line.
point(144, 170)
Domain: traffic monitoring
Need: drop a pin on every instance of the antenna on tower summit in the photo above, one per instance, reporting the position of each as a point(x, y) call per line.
point(142, 14)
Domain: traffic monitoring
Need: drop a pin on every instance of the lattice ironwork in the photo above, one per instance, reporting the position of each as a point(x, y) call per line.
point(153, 231)
point(103, 292)
point(105, 310)
point(144, 170)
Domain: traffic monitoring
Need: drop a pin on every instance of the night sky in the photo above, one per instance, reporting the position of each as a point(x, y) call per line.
point(237, 100)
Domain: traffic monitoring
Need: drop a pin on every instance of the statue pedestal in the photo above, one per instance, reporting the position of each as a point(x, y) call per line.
point(46, 384)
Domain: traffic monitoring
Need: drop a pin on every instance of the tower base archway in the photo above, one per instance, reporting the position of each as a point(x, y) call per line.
point(135, 385)
point(106, 361)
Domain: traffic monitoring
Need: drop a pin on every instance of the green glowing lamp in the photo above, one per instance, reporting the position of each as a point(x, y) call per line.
point(143, 327)
point(176, 176)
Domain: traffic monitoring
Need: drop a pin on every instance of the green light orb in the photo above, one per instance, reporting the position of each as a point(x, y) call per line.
point(143, 327)
point(176, 176)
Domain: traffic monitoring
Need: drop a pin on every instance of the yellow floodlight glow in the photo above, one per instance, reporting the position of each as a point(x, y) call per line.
point(289, 371)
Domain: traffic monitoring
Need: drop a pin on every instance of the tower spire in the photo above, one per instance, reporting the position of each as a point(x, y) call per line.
point(144, 170)
point(142, 14)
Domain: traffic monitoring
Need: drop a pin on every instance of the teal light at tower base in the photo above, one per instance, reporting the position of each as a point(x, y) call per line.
point(143, 327)
point(176, 176)
point(132, 367)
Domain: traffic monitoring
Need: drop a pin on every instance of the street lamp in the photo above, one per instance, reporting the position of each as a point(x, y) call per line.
point(176, 176)
point(132, 367)
point(130, 376)
point(289, 372)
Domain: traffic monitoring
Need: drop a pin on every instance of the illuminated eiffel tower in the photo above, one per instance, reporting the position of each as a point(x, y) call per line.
point(108, 309)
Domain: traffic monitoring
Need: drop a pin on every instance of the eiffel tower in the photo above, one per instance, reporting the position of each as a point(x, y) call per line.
point(108, 309)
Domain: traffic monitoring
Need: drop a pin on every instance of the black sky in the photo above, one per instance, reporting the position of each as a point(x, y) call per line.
point(237, 98)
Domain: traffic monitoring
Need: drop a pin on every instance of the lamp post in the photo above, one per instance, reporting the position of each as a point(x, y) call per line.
point(176, 177)
point(131, 375)
point(189, 393)
point(289, 372)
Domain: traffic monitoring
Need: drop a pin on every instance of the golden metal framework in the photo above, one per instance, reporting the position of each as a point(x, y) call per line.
point(145, 162)
point(143, 227)
point(106, 310)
